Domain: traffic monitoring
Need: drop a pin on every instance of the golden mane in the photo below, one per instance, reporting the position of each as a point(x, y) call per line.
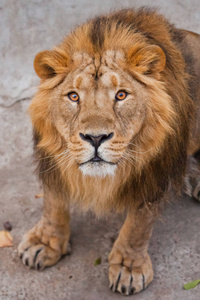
point(170, 111)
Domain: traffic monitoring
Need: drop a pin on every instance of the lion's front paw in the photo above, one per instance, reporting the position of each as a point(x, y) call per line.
point(130, 280)
point(43, 246)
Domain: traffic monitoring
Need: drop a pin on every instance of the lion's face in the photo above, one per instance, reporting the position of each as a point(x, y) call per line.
point(98, 110)
point(109, 109)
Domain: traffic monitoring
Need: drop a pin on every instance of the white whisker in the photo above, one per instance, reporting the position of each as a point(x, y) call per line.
point(59, 163)
point(137, 151)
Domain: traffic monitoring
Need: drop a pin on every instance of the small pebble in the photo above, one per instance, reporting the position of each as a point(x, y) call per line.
point(7, 226)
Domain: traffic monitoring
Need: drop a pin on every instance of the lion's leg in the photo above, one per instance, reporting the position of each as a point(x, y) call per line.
point(47, 241)
point(130, 268)
point(192, 178)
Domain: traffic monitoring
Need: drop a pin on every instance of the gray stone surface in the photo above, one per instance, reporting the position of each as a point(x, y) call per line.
point(27, 27)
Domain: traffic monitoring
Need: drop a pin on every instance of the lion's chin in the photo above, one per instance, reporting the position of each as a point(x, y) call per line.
point(98, 169)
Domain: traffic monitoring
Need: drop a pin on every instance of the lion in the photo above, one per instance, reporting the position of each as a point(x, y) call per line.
point(116, 124)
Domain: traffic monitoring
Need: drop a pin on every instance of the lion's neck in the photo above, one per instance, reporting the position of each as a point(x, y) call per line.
point(96, 193)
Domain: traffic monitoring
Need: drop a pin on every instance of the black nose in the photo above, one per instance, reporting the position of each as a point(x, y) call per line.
point(94, 140)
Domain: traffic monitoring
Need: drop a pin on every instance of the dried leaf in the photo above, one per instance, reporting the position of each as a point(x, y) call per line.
point(97, 261)
point(6, 239)
point(39, 196)
point(191, 284)
point(7, 226)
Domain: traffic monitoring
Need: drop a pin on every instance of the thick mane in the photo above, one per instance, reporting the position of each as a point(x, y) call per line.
point(122, 30)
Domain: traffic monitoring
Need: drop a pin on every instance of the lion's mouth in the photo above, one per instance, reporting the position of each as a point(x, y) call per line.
point(97, 160)
point(98, 167)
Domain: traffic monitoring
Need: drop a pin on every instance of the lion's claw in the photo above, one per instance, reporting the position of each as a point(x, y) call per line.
point(41, 247)
point(132, 280)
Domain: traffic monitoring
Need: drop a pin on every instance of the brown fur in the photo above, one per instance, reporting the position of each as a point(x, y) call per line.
point(121, 31)
point(137, 51)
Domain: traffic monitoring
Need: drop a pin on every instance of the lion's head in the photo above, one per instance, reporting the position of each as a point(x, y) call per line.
point(110, 103)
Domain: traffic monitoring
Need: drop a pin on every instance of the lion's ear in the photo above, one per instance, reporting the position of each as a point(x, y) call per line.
point(148, 60)
point(48, 64)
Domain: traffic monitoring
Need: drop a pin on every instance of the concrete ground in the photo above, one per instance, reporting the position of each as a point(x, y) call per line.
point(26, 28)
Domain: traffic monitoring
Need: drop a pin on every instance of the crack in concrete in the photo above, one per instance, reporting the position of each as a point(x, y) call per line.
point(16, 101)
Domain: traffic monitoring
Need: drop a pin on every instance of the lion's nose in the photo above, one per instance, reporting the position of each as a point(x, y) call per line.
point(96, 141)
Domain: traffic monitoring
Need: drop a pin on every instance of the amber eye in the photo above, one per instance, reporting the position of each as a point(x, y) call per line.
point(73, 96)
point(121, 95)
